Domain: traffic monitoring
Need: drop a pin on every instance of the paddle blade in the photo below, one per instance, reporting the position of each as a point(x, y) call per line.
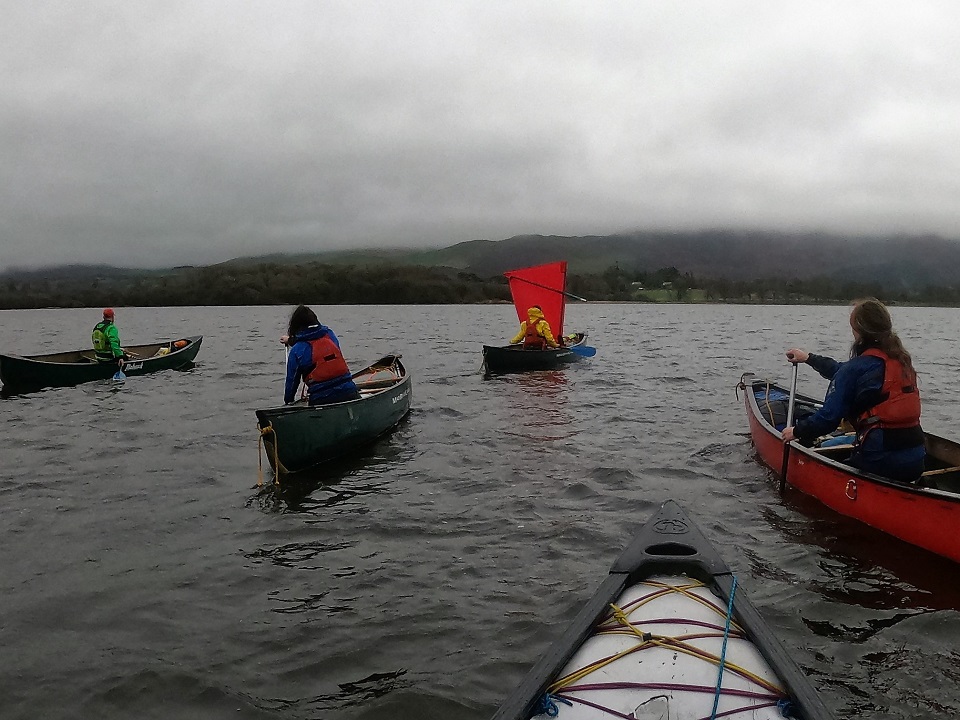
point(584, 350)
point(118, 376)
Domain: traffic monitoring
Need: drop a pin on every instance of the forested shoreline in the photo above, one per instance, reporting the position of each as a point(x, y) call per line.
point(317, 283)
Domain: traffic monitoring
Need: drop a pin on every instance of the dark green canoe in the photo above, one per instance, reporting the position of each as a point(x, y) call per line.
point(513, 358)
point(33, 372)
point(299, 436)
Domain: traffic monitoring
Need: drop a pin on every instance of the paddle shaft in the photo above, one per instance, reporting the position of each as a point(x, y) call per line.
point(562, 292)
point(786, 446)
point(793, 395)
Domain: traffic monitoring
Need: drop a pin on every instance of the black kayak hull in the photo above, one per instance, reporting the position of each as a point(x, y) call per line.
point(514, 359)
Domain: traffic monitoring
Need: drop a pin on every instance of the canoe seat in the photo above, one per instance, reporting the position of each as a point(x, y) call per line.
point(376, 384)
point(941, 471)
point(379, 380)
point(834, 451)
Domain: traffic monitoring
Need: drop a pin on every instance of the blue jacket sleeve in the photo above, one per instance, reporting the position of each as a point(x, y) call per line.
point(293, 376)
point(826, 366)
point(836, 403)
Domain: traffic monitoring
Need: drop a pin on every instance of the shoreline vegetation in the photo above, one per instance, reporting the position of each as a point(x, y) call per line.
point(289, 283)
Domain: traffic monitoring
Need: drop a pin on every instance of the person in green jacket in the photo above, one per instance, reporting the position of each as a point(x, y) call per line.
point(106, 340)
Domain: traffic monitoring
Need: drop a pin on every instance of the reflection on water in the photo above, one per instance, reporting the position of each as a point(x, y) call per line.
point(353, 693)
point(534, 405)
point(297, 554)
point(866, 567)
point(337, 482)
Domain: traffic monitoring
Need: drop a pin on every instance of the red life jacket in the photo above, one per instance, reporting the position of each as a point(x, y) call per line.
point(533, 340)
point(901, 409)
point(328, 361)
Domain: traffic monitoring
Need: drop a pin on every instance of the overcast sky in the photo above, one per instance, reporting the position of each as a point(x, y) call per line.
point(165, 133)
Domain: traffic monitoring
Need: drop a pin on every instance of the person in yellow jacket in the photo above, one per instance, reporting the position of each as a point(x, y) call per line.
point(535, 331)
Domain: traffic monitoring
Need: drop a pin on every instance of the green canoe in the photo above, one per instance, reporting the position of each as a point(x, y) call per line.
point(299, 436)
point(33, 372)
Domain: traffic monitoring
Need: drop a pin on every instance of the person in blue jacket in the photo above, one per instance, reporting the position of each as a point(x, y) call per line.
point(315, 359)
point(875, 391)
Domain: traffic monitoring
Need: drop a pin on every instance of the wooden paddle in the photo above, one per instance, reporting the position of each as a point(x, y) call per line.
point(786, 446)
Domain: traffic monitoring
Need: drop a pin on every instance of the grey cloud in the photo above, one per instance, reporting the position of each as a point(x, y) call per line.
point(158, 133)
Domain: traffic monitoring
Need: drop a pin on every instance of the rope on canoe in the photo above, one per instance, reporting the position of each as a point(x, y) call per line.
point(766, 399)
point(547, 705)
point(785, 706)
point(276, 461)
point(723, 649)
point(769, 694)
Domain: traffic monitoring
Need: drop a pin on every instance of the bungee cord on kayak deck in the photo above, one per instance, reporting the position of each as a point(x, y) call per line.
point(568, 688)
point(547, 705)
point(723, 649)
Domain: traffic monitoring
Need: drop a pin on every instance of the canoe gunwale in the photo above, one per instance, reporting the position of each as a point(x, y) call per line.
point(304, 404)
point(87, 359)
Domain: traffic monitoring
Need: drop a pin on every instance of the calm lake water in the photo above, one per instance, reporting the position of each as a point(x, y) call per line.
point(144, 574)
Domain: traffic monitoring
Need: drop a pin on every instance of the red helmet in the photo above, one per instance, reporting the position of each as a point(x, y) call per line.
point(108, 312)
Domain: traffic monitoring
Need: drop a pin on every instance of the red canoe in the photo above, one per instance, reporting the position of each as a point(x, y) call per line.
point(925, 514)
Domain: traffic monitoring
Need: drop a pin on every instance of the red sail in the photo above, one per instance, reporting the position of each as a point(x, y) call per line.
point(542, 285)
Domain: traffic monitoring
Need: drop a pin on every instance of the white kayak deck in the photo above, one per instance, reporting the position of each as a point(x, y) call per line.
point(660, 660)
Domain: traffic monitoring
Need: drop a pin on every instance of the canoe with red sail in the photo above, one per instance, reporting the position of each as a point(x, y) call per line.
point(925, 513)
point(544, 286)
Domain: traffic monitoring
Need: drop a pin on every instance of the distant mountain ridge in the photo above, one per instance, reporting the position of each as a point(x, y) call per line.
point(898, 261)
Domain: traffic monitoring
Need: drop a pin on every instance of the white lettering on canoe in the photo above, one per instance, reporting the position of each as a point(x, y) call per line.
point(133, 366)
point(401, 396)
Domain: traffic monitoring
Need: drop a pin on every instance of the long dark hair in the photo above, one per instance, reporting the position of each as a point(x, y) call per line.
point(871, 319)
point(302, 318)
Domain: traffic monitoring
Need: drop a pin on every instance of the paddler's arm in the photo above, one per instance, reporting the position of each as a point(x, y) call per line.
point(547, 335)
point(519, 336)
point(293, 379)
point(836, 405)
point(826, 366)
point(113, 337)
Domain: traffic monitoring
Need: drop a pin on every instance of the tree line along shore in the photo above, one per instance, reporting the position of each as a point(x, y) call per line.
point(332, 284)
